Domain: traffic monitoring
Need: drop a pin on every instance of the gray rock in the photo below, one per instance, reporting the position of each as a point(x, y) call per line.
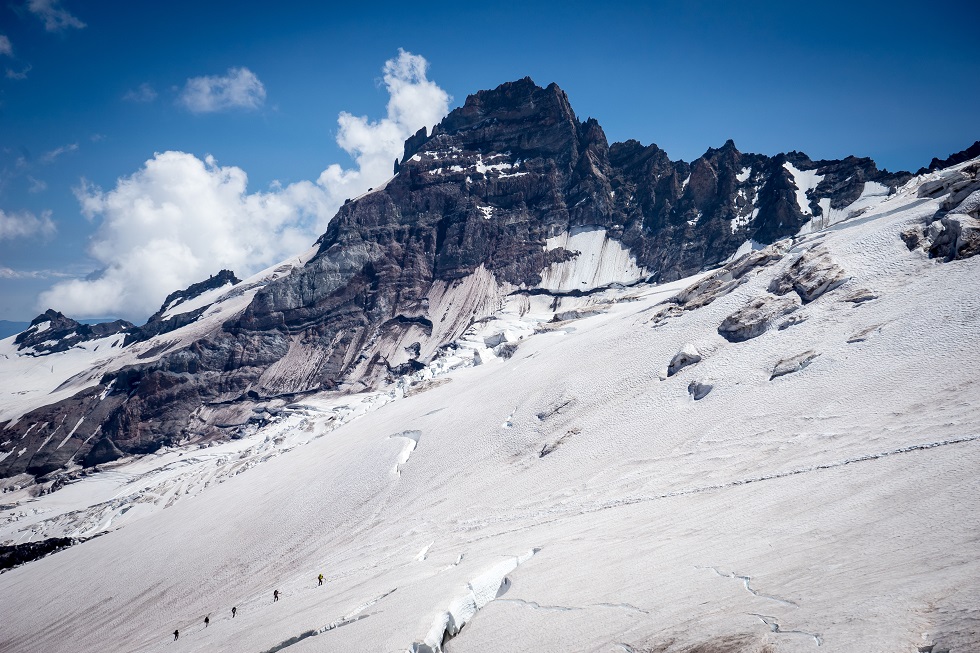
point(859, 296)
point(793, 364)
point(864, 334)
point(798, 317)
point(813, 274)
point(700, 389)
point(61, 333)
point(953, 159)
point(688, 355)
point(665, 313)
point(960, 193)
point(724, 280)
point(959, 239)
point(933, 188)
point(914, 237)
point(755, 318)
point(970, 205)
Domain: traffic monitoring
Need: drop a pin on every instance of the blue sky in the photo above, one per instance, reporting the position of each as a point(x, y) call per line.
point(94, 90)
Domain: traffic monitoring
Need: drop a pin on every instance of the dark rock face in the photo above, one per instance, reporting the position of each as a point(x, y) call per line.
point(18, 554)
point(467, 219)
point(52, 332)
point(971, 152)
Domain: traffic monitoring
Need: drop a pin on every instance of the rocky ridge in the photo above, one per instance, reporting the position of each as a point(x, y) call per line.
point(510, 195)
point(52, 332)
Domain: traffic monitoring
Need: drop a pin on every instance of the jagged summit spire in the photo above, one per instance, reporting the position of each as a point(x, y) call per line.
point(517, 116)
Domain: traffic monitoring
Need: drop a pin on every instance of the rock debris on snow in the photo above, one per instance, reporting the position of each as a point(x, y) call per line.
point(793, 364)
point(755, 318)
point(688, 355)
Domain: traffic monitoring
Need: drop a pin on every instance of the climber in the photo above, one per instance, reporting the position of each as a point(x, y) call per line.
point(233, 611)
point(275, 596)
point(207, 620)
point(320, 578)
point(176, 634)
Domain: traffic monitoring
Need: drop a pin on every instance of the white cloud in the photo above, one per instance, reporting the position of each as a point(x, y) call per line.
point(5, 47)
point(142, 93)
point(52, 156)
point(56, 18)
point(24, 224)
point(238, 89)
point(179, 218)
point(415, 102)
point(13, 74)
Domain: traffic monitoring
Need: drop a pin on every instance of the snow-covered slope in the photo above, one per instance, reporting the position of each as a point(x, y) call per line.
point(29, 380)
point(567, 493)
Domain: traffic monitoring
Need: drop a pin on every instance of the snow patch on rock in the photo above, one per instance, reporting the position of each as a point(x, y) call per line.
point(806, 181)
point(597, 261)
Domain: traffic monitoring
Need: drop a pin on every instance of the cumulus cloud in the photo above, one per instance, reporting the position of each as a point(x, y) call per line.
point(52, 156)
point(414, 102)
point(5, 47)
point(177, 220)
point(24, 224)
point(180, 218)
point(142, 93)
point(55, 17)
point(240, 88)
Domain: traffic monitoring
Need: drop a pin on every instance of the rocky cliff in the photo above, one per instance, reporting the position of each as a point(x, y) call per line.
point(510, 194)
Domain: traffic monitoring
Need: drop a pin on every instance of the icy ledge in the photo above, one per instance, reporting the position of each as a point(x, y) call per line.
point(480, 591)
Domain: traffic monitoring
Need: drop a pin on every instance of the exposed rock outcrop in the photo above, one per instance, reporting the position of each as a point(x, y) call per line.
point(700, 389)
point(724, 280)
point(17, 554)
point(954, 231)
point(811, 275)
point(688, 355)
point(755, 318)
point(793, 364)
point(958, 238)
point(52, 332)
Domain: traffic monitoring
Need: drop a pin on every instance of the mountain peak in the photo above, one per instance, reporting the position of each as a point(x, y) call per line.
point(519, 116)
point(50, 315)
point(52, 331)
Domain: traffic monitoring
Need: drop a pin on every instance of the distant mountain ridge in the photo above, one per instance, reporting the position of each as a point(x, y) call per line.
point(511, 194)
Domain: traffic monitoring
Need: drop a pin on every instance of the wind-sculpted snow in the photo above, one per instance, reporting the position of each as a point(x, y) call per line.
point(833, 508)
